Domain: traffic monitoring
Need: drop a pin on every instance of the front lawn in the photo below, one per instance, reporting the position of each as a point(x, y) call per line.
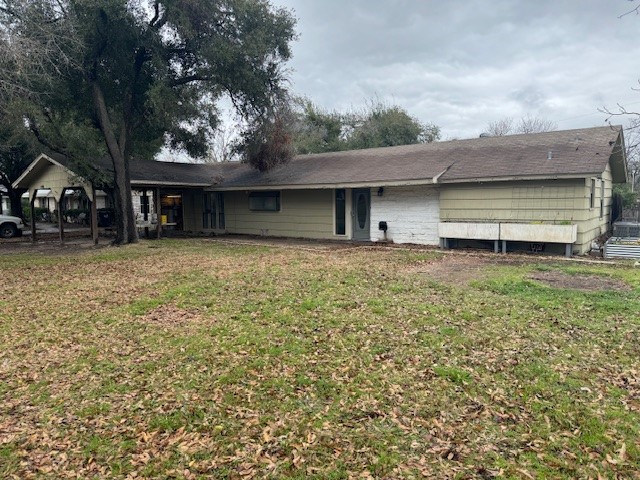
point(202, 359)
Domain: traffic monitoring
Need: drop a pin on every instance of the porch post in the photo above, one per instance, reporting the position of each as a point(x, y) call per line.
point(158, 213)
point(504, 246)
point(61, 216)
point(568, 250)
point(33, 215)
point(94, 216)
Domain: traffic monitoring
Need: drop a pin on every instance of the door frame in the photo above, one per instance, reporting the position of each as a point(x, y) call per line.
point(358, 234)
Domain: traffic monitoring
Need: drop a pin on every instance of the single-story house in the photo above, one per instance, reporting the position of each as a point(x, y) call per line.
point(533, 190)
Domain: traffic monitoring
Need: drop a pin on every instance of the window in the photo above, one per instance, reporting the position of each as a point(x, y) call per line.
point(601, 198)
point(208, 211)
point(220, 202)
point(340, 211)
point(212, 210)
point(264, 201)
point(592, 200)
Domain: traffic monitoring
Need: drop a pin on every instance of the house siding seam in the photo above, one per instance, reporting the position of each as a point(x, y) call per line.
point(411, 213)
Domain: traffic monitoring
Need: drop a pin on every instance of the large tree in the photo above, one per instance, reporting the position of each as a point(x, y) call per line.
point(316, 130)
point(16, 151)
point(131, 76)
point(384, 125)
point(378, 124)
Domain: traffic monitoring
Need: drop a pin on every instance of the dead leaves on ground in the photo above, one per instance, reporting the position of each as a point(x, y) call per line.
point(250, 363)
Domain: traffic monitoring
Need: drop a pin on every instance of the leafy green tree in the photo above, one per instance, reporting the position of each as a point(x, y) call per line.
point(317, 131)
point(127, 77)
point(385, 125)
point(16, 152)
point(377, 125)
point(627, 196)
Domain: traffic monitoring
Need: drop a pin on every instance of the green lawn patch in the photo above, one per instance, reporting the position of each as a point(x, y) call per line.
point(199, 359)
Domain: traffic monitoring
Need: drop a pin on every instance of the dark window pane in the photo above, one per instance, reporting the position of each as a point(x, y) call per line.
point(264, 201)
point(220, 198)
point(208, 211)
point(361, 209)
point(340, 211)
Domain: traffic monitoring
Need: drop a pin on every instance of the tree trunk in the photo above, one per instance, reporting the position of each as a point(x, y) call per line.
point(126, 231)
point(15, 198)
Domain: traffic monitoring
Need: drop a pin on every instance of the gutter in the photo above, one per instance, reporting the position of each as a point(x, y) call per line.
point(322, 186)
point(146, 183)
point(517, 178)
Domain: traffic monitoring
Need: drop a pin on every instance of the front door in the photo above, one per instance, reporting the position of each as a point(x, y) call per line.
point(360, 214)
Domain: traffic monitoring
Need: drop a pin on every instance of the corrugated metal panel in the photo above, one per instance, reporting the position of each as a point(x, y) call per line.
point(617, 247)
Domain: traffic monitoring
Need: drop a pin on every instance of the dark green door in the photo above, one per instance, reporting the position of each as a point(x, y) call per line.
point(360, 217)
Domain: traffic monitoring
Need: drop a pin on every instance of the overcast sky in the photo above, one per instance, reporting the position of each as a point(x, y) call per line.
point(462, 64)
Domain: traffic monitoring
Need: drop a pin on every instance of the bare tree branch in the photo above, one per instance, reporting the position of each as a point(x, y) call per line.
point(633, 10)
point(527, 124)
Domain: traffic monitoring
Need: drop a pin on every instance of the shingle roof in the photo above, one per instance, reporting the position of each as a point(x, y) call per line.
point(391, 164)
point(568, 153)
point(175, 173)
point(549, 154)
point(579, 152)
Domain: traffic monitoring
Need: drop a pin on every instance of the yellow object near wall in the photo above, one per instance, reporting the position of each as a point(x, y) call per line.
point(163, 219)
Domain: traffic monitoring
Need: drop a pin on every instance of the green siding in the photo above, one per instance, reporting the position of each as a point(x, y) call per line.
point(303, 213)
point(551, 201)
point(558, 201)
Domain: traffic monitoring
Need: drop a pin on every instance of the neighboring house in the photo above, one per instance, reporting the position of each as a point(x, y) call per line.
point(525, 191)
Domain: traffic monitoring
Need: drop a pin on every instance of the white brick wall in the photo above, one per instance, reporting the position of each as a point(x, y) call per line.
point(412, 214)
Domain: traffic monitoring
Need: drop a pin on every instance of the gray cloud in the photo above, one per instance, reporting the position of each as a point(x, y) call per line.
point(461, 64)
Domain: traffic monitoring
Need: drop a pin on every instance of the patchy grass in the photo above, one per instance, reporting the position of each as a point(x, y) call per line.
point(195, 359)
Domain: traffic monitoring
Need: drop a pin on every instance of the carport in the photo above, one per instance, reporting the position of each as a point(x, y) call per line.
point(45, 173)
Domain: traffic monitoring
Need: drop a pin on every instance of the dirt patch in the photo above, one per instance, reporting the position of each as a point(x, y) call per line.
point(585, 283)
point(169, 315)
point(455, 269)
point(461, 268)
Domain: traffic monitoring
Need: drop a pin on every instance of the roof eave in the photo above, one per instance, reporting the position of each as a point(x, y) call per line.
point(32, 166)
point(152, 183)
point(618, 160)
point(516, 178)
point(323, 186)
